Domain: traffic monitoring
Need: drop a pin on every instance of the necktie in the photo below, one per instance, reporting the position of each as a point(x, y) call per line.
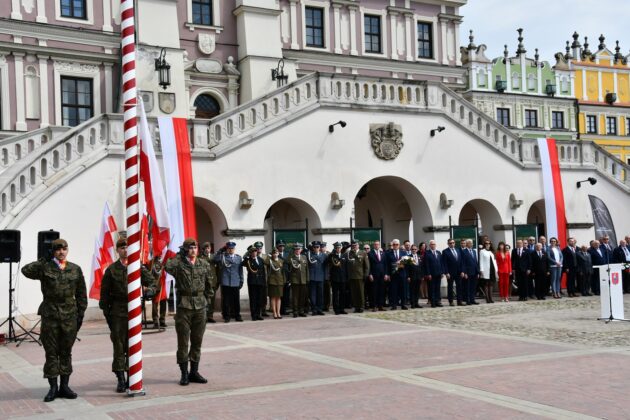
point(520, 252)
point(435, 254)
point(454, 252)
point(539, 254)
point(396, 253)
point(378, 254)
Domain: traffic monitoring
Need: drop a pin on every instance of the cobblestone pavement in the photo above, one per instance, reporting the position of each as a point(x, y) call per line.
point(492, 361)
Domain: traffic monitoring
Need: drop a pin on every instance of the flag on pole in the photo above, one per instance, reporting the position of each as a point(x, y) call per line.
point(104, 251)
point(552, 187)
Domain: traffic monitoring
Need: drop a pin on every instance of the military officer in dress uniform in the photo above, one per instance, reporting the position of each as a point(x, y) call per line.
point(256, 281)
point(65, 301)
point(275, 280)
point(285, 302)
point(230, 266)
point(316, 274)
point(326, 278)
point(113, 303)
point(193, 287)
point(263, 298)
point(358, 268)
point(297, 266)
point(206, 255)
point(336, 268)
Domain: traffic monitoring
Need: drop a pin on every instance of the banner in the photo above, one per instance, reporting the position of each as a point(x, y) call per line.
point(366, 236)
point(525, 231)
point(290, 237)
point(603, 221)
point(552, 189)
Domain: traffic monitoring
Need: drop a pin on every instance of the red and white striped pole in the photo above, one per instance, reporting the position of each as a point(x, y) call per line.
point(131, 197)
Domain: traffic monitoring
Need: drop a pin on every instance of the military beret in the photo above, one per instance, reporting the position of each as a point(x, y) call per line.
point(122, 242)
point(280, 242)
point(188, 242)
point(206, 244)
point(231, 244)
point(59, 243)
point(297, 245)
point(337, 244)
point(258, 244)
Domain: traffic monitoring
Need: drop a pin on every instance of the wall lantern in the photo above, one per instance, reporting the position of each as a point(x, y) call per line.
point(278, 73)
point(163, 69)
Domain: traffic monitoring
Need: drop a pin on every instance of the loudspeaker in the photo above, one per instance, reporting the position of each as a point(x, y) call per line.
point(10, 246)
point(45, 239)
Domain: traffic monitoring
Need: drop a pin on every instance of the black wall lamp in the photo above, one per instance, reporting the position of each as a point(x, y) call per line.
point(278, 73)
point(163, 69)
point(331, 127)
point(439, 130)
point(591, 180)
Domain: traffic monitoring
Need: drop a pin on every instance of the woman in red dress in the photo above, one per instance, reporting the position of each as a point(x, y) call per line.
point(504, 265)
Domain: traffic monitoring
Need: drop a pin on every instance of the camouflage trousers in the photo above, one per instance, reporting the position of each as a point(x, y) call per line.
point(119, 336)
point(58, 337)
point(190, 325)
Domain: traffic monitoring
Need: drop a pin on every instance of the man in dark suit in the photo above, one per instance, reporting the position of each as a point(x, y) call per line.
point(521, 267)
point(378, 269)
point(395, 275)
point(434, 266)
point(470, 268)
point(454, 272)
point(584, 270)
point(621, 255)
point(540, 269)
point(599, 256)
point(569, 265)
point(607, 249)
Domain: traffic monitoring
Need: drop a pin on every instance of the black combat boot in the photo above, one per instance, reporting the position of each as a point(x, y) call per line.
point(64, 389)
point(184, 379)
point(194, 375)
point(52, 392)
point(121, 386)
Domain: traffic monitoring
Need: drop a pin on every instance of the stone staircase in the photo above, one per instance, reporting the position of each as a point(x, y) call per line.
point(35, 164)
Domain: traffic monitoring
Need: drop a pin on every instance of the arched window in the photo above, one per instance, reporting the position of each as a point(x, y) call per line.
point(516, 81)
point(206, 106)
point(481, 78)
point(531, 82)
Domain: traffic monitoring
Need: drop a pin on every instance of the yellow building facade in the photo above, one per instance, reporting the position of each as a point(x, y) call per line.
point(602, 91)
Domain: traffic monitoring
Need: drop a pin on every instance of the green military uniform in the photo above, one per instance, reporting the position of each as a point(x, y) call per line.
point(215, 286)
point(194, 289)
point(358, 268)
point(113, 302)
point(275, 276)
point(297, 267)
point(62, 310)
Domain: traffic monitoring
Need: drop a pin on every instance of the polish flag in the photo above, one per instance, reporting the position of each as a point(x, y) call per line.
point(156, 206)
point(179, 184)
point(552, 188)
point(104, 252)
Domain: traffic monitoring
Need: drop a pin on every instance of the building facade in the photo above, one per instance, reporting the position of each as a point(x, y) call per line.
point(413, 157)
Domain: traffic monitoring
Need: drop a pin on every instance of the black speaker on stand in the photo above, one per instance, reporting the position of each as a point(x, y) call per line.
point(45, 239)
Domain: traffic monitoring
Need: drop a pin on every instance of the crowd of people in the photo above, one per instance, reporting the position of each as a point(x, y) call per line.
point(303, 280)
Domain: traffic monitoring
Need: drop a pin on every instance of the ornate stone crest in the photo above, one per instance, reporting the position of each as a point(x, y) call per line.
point(207, 43)
point(386, 140)
point(166, 101)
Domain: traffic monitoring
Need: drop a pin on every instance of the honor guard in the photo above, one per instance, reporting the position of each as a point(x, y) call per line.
point(263, 298)
point(297, 266)
point(158, 309)
point(113, 302)
point(316, 275)
point(230, 266)
point(65, 301)
point(256, 282)
point(285, 302)
point(206, 255)
point(336, 267)
point(193, 289)
point(358, 268)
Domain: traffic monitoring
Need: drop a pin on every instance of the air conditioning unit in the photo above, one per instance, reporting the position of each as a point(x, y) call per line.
point(501, 85)
point(550, 89)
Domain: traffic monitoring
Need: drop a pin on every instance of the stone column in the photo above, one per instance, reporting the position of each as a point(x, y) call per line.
point(108, 88)
point(44, 92)
point(233, 91)
point(393, 21)
point(107, 16)
point(294, 23)
point(337, 26)
point(408, 31)
point(20, 121)
point(444, 29)
point(15, 10)
point(353, 30)
point(41, 12)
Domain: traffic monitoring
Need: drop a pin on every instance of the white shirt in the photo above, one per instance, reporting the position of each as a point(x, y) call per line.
point(556, 253)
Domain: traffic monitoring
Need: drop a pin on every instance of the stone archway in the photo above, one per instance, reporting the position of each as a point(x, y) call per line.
point(536, 216)
point(396, 202)
point(211, 222)
point(291, 213)
point(485, 215)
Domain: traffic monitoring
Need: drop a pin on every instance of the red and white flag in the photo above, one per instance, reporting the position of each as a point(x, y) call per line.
point(552, 188)
point(104, 252)
point(179, 183)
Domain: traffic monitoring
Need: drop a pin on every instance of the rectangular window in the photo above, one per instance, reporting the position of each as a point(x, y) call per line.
point(531, 118)
point(425, 42)
point(314, 27)
point(202, 12)
point(591, 124)
point(503, 116)
point(75, 9)
point(372, 33)
point(557, 119)
point(611, 125)
point(627, 126)
point(76, 100)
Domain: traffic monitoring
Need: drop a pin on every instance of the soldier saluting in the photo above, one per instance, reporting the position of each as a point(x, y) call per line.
point(113, 302)
point(297, 266)
point(193, 286)
point(65, 301)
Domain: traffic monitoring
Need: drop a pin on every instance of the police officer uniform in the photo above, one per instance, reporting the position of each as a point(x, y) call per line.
point(230, 266)
point(65, 301)
point(316, 274)
point(193, 289)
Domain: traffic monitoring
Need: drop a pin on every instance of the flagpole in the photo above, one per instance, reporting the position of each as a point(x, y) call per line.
point(131, 197)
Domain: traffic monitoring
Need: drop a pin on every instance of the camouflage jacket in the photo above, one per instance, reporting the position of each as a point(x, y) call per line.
point(113, 300)
point(193, 283)
point(65, 295)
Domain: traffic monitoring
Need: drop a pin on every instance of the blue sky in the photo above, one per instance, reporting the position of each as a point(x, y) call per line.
point(547, 24)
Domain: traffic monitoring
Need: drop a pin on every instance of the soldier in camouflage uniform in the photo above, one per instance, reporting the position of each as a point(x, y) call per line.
point(158, 309)
point(65, 301)
point(193, 286)
point(113, 302)
point(297, 266)
point(206, 255)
